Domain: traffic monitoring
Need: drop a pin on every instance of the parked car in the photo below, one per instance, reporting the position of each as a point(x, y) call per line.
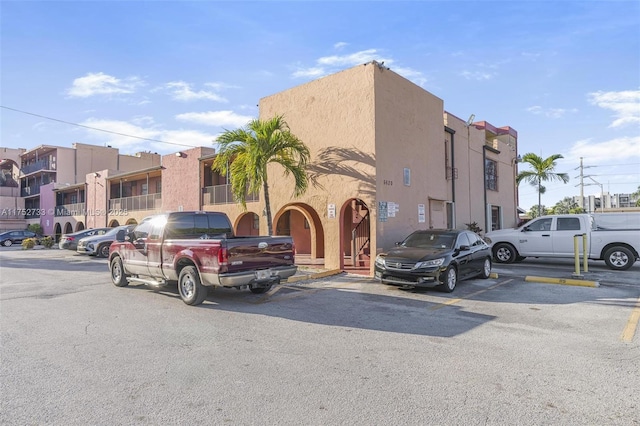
point(70, 241)
point(435, 258)
point(8, 238)
point(98, 245)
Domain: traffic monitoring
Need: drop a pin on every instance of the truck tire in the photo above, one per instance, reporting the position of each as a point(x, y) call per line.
point(118, 277)
point(619, 258)
point(190, 287)
point(504, 253)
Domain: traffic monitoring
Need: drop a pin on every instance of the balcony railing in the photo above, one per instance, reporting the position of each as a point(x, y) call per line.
point(30, 190)
point(75, 209)
point(33, 167)
point(139, 202)
point(221, 194)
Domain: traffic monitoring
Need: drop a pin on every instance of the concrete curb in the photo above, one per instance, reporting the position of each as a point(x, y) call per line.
point(564, 281)
point(316, 275)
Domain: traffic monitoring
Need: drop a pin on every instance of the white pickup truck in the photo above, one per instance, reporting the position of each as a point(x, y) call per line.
point(614, 239)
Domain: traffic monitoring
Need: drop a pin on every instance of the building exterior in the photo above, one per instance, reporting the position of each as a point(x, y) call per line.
point(386, 159)
point(11, 202)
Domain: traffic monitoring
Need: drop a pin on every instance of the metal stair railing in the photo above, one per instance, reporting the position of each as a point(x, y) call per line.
point(360, 236)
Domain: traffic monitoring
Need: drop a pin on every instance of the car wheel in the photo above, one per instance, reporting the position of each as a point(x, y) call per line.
point(190, 287)
point(260, 290)
point(7, 243)
point(449, 280)
point(118, 277)
point(103, 250)
point(504, 253)
point(486, 269)
point(619, 258)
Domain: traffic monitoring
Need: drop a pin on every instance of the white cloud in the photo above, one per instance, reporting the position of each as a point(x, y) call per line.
point(625, 104)
point(94, 84)
point(623, 148)
point(330, 64)
point(216, 118)
point(181, 91)
point(477, 75)
point(550, 112)
point(142, 127)
point(339, 45)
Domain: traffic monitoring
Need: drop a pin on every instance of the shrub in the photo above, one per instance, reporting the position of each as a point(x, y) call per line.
point(35, 227)
point(473, 226)
point(47, 242)
point(28, 243)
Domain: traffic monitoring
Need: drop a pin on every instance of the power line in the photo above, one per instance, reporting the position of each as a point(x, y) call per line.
point(95, 128)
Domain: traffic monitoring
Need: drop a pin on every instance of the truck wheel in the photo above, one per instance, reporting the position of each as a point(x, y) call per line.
point(504, 253)
point(260, 290)
point(619, 258)
point(449, 279)
point(103, 250)
point(190, 287)
point(118, 277)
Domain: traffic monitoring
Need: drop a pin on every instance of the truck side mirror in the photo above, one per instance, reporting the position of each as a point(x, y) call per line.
point(120, 236)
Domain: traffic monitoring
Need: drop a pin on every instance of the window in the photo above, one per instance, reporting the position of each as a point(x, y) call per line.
point(145, 189)
point(491, 174)
point(191, 225)
point(142, 230)
point(568, 224)
point(496, 215)
point(540, 225)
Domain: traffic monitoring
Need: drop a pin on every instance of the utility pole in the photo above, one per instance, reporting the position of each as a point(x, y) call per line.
point(581, 185)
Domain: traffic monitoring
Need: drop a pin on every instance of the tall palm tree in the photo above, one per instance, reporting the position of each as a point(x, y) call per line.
point(543, 171)
point(636, 194)
point(245, 153)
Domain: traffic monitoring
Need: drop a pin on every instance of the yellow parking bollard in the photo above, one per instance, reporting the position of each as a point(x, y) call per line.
point(576, 255)
point(585, 253)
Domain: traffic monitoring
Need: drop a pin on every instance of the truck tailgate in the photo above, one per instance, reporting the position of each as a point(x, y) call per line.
point(256, 253)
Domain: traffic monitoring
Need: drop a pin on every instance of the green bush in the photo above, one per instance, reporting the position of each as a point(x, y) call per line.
point(28, 243)
point(473, 226)
point(35, 227)
point(47, 242)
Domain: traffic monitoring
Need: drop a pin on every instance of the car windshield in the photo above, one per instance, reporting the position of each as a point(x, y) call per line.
point(429, 240)
point(112, 231)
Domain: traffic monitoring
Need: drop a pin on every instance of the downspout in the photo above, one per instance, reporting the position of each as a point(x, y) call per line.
point(453, 177)
point(484, 185)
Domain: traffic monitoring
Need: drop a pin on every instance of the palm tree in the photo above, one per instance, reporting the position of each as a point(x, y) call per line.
point(543, 171)
point(636, 194)
point(245, 153)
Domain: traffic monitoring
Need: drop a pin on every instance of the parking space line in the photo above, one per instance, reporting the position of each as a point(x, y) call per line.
point(456, 300)
point(632, 324)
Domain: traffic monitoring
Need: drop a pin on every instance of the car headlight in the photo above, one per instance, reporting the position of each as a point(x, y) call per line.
point(487, 240)
point(380, 261)
point(429, 263)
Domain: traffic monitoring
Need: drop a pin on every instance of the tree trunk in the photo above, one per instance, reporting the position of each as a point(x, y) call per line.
point(267, 206)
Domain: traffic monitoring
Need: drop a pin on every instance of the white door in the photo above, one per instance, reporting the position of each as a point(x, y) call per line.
point(536, 238)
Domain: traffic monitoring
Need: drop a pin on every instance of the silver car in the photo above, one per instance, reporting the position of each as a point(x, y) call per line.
point(98, 245)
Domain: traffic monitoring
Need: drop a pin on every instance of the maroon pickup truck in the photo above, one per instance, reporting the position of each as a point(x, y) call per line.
point(198, 250)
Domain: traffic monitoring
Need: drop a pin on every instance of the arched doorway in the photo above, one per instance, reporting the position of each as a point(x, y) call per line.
point(131, 222)
point(68, 229)
point(79, 226)
point(57, 231)
point(247, 225)
point(114, 223)
point(303, 224)
point(355, 236)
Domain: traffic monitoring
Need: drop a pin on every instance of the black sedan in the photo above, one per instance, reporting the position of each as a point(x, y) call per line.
point(9, 238)
point(435, 258)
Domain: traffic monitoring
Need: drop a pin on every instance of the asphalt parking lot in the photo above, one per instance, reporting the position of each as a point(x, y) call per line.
point(342, 349)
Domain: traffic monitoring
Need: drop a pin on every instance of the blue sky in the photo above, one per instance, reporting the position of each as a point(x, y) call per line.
point(565, 75)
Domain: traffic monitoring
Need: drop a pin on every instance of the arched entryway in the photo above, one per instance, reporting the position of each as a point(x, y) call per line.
point(131, 222)
point(302, 222)
point(57, 230)
point(355, 236)
point(68, 228)
point(114, 223)
point(79, 227)
point(247, 224)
